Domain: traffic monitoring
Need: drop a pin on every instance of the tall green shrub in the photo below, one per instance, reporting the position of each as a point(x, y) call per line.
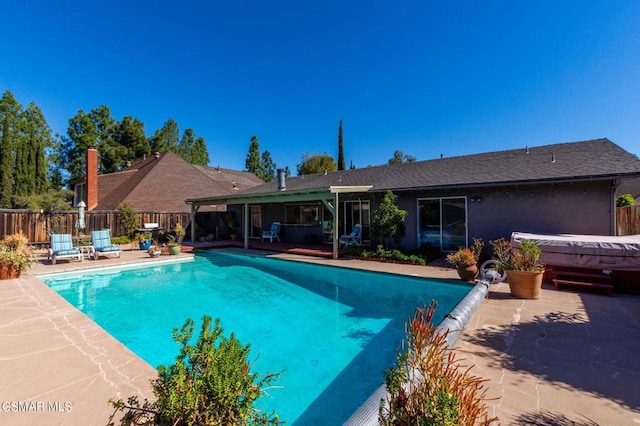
point(388, 220)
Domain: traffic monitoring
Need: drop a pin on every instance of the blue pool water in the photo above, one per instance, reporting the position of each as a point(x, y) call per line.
point(331, 331)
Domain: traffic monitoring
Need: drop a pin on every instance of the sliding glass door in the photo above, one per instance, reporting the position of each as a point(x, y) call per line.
point(443, 222)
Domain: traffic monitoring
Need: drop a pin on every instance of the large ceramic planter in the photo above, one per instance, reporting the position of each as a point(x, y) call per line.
point(468, 273)
point(174, 249)
point(525, 284)
point(145, 244)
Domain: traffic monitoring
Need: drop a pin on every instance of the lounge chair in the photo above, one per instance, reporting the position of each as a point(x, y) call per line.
point(353, 238)
point(61, 247)
point(272, 232)
point(101, 242)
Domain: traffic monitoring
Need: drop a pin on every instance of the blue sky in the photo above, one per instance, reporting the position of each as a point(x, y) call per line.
point(423, 77)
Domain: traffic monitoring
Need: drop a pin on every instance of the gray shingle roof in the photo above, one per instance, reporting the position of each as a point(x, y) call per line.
point(594, 159)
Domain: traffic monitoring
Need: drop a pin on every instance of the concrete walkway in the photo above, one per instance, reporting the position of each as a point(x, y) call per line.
point(567, 358)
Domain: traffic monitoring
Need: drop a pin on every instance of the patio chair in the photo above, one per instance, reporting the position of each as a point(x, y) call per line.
point(353, 238)
point(272, 232)
point(61, 247)
point(101, 242)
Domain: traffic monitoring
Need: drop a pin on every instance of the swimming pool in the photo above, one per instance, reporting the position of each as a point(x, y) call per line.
point(332, 331)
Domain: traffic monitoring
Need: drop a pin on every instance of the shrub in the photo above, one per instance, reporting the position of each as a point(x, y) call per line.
point(381, 254)
point(128, 218)
point(15, 252)
point(210, 383)
point(625, 200)
point(388, 220)
point(428, 385)
point(462, 258)
point(524, 258)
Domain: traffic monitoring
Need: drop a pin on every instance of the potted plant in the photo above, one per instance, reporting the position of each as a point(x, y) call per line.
point(522, 265)
point(232, 226)
point(179, 233)
point(15, 256)
point(466, 260)
point(143, 239)
point(172, 245)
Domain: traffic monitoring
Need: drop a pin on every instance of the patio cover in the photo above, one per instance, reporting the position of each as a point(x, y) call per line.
point(329, 196)
point(620, 253)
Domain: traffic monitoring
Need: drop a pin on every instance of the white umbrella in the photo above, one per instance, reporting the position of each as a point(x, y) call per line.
point(80, 222)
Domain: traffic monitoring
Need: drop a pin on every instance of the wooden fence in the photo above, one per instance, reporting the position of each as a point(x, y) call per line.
point(37, 225)
point(628, 220)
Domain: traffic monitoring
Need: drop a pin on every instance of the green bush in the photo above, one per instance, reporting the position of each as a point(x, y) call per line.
point(381, 254)
point(210, 383)
point(625, 200)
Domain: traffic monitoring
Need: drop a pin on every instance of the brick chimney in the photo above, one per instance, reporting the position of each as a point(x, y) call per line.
point(92, 179)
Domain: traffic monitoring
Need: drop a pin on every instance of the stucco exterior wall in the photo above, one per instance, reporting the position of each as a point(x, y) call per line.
point(576, 208)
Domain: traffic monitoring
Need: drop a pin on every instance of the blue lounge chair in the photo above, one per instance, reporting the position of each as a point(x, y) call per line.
point(61, 247)
point(101, 242)
point(353, 238)
point(272, 232)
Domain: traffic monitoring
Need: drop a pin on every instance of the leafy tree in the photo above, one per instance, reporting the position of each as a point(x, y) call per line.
point(341, 162)
point(388, 220)
point(200, 153)
point(317, 163)
point(87, 130)
point(268, 172)
point(186, 144)
point(625, 200)
point(253, 162)
point(166, 138)
point(10, 111)
point(129, 143)
point(399, 157)
point(210, 383)
point(55, 163)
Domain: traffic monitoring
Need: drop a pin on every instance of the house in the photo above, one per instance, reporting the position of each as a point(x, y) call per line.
point(158, 183)
point(560, 188)
point(630, 186)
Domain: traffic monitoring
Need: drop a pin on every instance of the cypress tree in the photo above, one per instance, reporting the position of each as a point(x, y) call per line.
point(341, 161)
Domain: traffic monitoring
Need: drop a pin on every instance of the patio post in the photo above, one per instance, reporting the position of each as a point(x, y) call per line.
point(245, 221)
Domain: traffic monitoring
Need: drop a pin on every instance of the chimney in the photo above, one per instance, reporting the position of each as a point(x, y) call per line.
point(281, 180)
point(91, 194)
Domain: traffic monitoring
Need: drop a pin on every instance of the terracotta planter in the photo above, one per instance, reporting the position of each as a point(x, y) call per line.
point(468, 273)
point(174, 249)
point(524, 284)
point(7, 271)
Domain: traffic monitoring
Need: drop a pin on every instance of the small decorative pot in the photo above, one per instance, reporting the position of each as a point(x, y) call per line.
point(174, 249)
point(468, 273)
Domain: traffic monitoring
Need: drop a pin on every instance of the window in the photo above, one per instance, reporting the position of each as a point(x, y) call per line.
point(302, 214)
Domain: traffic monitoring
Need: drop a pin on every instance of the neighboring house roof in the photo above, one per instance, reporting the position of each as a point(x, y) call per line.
point(163, 182)
point(587, 160)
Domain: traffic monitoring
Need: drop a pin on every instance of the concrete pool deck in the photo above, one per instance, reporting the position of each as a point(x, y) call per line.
point(566, 358)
